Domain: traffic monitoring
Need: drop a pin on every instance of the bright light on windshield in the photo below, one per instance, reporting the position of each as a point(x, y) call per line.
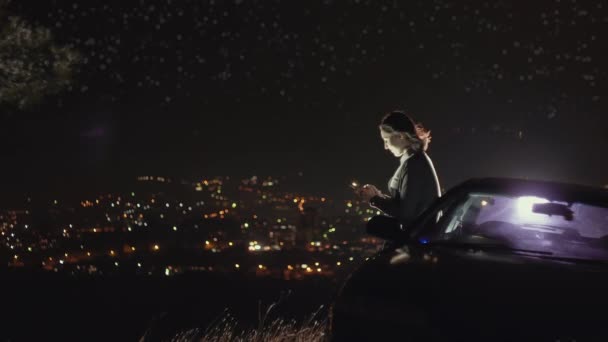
point(525, 204)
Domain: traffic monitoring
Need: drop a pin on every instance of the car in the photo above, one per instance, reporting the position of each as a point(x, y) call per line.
point(493, 259)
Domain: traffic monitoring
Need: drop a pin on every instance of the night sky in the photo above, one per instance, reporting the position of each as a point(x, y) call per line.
point(268, 87)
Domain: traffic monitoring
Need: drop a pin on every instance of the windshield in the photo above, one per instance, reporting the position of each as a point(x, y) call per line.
point(574, 230)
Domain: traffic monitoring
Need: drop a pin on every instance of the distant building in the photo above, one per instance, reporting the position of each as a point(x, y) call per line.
point(309, 228)
point(283, 235)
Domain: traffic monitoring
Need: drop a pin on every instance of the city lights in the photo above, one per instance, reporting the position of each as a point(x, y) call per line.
point(269, 225)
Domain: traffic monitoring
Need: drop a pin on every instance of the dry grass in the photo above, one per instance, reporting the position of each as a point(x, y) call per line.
point(276, 331)
point(226, 328)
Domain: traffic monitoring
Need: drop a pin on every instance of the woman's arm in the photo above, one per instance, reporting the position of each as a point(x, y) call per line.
point(413, 191)
point(386, 204)
point(416, 189)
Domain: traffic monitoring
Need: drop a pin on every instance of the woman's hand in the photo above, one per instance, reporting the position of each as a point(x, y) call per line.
point(368, 191)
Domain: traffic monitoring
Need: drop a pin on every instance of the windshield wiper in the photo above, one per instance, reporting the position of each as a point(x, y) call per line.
point(543, 226)
point(504, 248)
point(486, 247)
point(579, 261)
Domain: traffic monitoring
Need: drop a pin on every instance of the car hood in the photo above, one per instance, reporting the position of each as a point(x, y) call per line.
point(470, 291)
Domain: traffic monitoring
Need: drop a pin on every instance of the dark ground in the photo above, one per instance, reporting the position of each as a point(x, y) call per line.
point(55, 307)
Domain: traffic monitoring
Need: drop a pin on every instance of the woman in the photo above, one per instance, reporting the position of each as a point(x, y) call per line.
point(414, 185)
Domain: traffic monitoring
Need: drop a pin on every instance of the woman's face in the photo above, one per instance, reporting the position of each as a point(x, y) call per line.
point(394, 142)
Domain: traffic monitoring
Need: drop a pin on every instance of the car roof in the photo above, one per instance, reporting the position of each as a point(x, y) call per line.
point(547, 189)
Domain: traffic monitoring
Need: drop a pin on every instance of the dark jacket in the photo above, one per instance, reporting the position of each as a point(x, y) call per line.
point(418, 187)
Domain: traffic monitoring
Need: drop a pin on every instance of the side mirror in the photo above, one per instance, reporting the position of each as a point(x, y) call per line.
point(385, 227)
